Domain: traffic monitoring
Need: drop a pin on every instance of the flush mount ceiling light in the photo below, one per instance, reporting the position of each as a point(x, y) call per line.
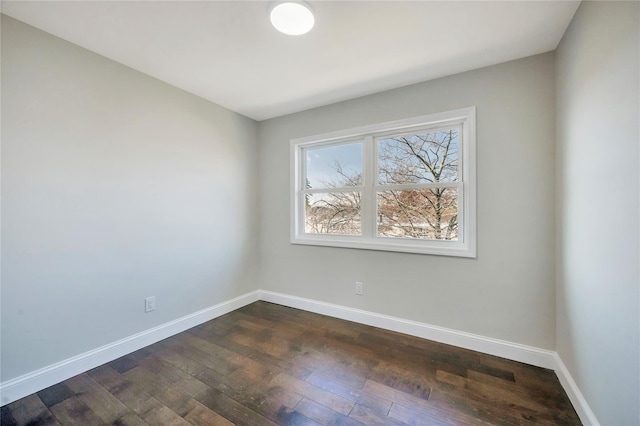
point(292, 18)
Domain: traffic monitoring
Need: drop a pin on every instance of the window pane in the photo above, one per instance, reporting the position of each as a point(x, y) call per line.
point(419, 158)
point(335, 166)
point(430, 214)
point(333, 213)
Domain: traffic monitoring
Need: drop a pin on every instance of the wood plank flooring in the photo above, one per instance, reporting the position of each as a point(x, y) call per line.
point(266, 364)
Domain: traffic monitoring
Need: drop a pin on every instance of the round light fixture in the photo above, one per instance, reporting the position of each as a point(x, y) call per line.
point(292, 18)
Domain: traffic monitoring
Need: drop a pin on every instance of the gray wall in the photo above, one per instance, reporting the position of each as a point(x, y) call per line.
point(508, 292)
point(597, 169)
point(115, 187)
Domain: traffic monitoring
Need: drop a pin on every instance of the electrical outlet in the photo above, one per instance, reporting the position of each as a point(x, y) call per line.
point(150, 304)
point(359, 288)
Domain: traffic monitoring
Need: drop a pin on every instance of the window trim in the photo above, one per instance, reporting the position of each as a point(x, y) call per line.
point(464, 247)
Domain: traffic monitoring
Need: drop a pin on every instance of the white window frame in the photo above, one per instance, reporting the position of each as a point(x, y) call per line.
point(465, 246)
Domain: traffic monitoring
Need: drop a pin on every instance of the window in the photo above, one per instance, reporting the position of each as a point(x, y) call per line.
point(407, 185)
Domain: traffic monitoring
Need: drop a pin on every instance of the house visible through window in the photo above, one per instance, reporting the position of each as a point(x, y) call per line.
point(407, 185)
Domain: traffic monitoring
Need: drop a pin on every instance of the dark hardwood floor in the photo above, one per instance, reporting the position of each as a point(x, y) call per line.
point(267, 364)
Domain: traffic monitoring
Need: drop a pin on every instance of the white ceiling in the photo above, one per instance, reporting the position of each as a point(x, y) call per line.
point(227, 51)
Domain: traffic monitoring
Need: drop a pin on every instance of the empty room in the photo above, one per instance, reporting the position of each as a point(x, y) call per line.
point(320, 213)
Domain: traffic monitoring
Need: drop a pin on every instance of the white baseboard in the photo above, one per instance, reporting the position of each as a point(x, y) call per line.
point(17, 388)
point(514, 351)
point(573, 392)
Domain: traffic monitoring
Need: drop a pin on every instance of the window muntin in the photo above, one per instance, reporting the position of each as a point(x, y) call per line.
point(406, 186)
